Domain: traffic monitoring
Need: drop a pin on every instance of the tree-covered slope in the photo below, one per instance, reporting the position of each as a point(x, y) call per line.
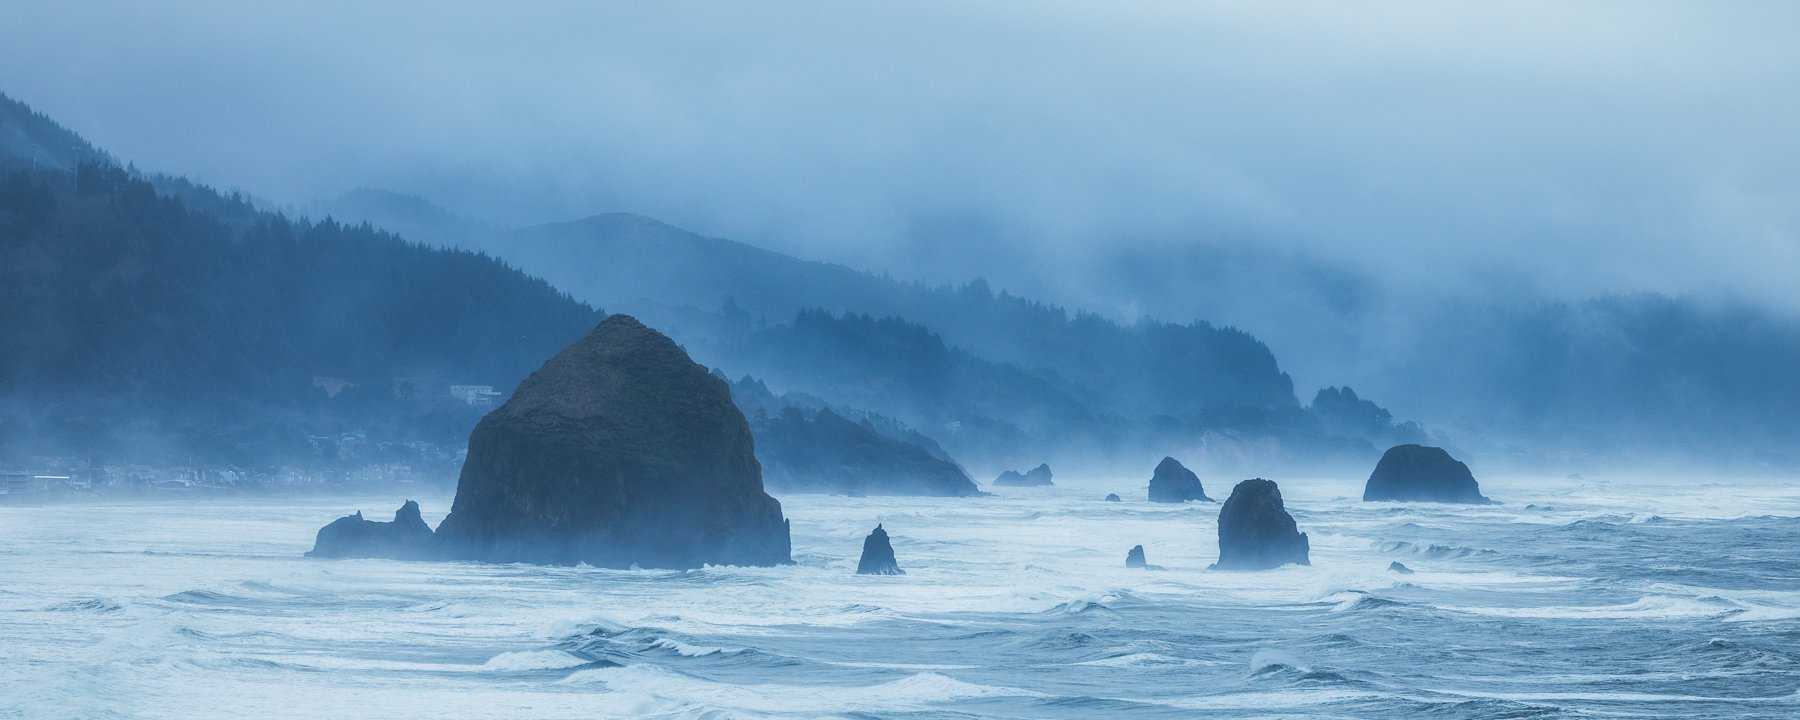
point(179, 322)
point(29, 139)
point(805, 445)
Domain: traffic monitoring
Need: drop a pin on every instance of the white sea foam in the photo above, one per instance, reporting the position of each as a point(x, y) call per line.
point(1264, 659)
point(658, 689)
point(686, 650)
point(1013, 602)
point(1141, 659)
point(1644, 608)
point(532, 660)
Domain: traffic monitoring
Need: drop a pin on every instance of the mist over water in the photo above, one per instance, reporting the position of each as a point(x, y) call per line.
point(264, 265)
point(1619, 597)
point(1577, 149)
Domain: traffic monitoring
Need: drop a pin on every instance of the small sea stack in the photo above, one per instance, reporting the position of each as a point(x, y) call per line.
point(1419, 473)
point(406, 538)
point(1397, 567)
point(1174, 483)
point(1113, 497)
point(878, 555)
point(1135, 558)
point(1255, 530)
point(1038, 477)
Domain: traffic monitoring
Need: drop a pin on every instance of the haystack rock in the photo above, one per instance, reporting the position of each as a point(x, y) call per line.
point(1173, 482)
point(1112, 497)
point(1418, 473)
point(406, 538)
point(620, 451)
point(878, 555)
point(1255, 530)
point(1135, 558)
point(1038, 477)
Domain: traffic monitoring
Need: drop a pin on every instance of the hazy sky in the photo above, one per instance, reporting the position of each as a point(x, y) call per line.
point(1576, 147)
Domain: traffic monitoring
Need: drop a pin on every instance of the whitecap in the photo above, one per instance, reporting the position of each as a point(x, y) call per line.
point(652, 688)
point(686, 650)
point(1269, 659)
point(1648, 607)
point(1141, 659)
point(526, 660)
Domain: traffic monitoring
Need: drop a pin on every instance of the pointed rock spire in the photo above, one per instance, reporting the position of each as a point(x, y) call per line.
point(878, 555)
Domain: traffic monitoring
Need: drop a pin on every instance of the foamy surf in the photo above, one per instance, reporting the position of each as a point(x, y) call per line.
point(1597, 601)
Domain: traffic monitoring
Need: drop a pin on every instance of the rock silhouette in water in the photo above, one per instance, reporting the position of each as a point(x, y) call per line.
point(1172, 483)
point(1135, 558)
point(620, 451)
point(878, 555)
point(406, 538)
point(1399, 568)
point(807, 448)
point(1038, 477)
point(831, 453)
point(1112, 497)
point(1422, 474)
point(1255, 530)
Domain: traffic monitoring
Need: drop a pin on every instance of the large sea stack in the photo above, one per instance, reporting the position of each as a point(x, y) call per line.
point(406, 538)
point(1255, 530)
point(1038, 477)
point(1418, 473)
point(620, 451)
point(878, 555)
point(1173, 483)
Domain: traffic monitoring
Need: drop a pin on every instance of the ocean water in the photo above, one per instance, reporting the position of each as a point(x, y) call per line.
point(1590, 599)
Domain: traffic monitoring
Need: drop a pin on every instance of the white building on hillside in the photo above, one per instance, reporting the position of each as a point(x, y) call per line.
point(475, 395)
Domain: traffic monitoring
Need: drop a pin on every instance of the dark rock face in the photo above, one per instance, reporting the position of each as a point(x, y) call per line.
point(830, 453)
point(619, 451)
point(1340, 412)
point(1255, 530)
point(1399, 568)
point(1038, 477)
point(1112, 497)
point(878, 555)
point(1419, 473)
point(406, 538)
point(1173, 483)
point(1135, 558)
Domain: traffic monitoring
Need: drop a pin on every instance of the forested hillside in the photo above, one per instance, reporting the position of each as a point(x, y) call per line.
point(150, 317)
point(1588, 383)
point(997, 378)
point(177, 323)
point(1152, 366)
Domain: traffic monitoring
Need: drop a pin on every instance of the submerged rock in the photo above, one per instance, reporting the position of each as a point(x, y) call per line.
point(1135, 558)
point(878, 555)
point(1255, 530)
point(1418, 473)
point(1112, 497)
point(1399, 568)
point(620, 451)
point(1172, 483)
point(406, 538)
point(1038, 477)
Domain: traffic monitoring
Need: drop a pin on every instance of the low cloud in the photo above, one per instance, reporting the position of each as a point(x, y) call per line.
point(1569, 149)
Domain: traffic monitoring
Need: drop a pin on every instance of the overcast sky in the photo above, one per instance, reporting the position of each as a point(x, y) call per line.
point(1575, 147)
